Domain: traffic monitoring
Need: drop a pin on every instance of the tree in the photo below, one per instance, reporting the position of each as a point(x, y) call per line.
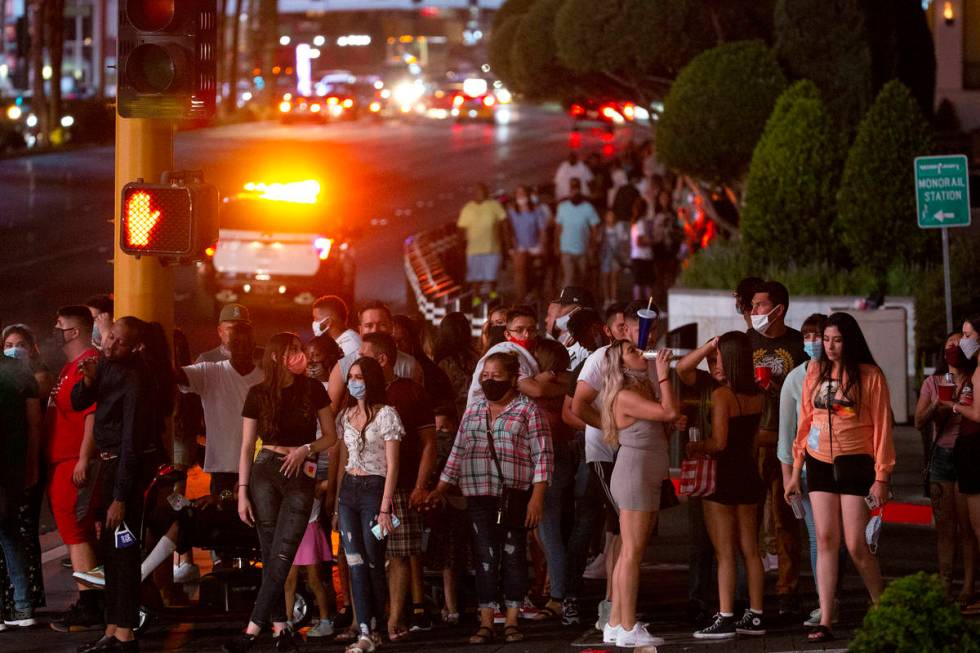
point(876, 203)
point(500, 48)
point(791, 189)
point(716, 111)
point(902, 48)
point(534, 64)
point(826, 41)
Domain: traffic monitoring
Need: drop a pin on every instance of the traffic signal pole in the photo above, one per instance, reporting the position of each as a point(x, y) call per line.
point(143, 286)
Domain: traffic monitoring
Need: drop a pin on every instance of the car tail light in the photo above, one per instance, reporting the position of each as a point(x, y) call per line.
point(211, 249)
point(332, 100)
point(629, 111)
point(348, 103)
point(577, 110)
point(323, 245)
point(488, 100)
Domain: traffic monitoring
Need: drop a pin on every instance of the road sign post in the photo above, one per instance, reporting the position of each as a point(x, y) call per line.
point(942, 200)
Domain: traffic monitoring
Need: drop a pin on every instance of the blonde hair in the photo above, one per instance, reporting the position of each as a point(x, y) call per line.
point(614, 380)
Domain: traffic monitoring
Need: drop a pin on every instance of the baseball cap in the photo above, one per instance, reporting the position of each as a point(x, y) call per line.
point(234, 313)
point(575, 295)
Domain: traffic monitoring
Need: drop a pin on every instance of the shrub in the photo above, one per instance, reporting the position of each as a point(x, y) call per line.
point(791, 191)
point(876, 203)
point(716, 110)
point(914, 615)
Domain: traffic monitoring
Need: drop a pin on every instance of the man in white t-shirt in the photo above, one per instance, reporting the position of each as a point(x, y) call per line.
point(222, 387)
point(330, 318)
point(231, 314)
point(572, 168)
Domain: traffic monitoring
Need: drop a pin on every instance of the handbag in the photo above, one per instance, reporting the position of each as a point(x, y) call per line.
point(668, 497)
point(699, 476)
point(512, 507)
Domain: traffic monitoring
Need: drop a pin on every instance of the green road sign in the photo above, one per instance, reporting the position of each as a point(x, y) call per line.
point(942, 191)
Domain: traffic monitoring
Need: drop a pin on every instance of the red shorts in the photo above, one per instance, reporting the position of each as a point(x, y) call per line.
point(63, 495)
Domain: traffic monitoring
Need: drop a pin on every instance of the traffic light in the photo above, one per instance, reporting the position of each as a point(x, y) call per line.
point(177, 219)
point(166, 58)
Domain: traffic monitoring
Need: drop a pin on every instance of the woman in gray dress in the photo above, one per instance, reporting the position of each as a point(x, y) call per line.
point(636, 402)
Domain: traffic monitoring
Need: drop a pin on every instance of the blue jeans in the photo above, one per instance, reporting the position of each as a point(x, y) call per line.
point(15, 555)
point(359, 502)
point(549, 530)
point(500, 555)
point(590, 511)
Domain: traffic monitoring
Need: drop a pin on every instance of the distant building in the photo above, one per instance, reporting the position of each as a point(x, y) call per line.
point(956, 32)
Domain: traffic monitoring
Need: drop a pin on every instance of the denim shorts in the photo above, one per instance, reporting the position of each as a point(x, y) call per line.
point(942, 467)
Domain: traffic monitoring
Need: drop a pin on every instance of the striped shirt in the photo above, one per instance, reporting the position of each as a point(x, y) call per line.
point(521, 439)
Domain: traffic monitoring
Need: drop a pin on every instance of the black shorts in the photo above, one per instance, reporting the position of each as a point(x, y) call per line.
point(966, 457)
point(855, 475)
point(601, 476)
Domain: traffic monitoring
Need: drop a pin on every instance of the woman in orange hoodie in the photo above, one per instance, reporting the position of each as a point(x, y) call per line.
point(844, 436)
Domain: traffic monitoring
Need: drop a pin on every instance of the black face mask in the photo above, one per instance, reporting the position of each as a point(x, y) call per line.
point(494, 389)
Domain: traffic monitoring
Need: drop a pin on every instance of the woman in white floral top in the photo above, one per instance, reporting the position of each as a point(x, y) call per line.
point(369, 431)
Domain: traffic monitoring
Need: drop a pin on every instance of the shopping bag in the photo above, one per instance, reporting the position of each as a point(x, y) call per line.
point(698, 476)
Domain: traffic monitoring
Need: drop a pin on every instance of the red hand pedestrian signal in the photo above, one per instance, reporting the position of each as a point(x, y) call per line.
point(141, 218)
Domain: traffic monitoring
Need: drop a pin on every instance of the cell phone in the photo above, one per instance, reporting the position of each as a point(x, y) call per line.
point(871, 501)
point(376, 529)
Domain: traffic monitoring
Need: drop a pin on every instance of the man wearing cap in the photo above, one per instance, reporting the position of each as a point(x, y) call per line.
point(571, 300)
point(230, 315)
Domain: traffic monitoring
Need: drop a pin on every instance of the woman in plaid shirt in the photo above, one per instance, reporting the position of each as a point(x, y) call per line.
point(522, 444)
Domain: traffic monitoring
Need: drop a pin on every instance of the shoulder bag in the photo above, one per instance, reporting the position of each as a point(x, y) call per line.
point(512, 507)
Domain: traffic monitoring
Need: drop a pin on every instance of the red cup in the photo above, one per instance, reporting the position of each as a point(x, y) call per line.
point(763, 377)
point(946, 392)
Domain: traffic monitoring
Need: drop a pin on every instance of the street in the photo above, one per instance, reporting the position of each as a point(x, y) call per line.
point(394, 178)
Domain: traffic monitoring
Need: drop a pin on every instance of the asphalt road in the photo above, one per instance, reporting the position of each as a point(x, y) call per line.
point(394, 178)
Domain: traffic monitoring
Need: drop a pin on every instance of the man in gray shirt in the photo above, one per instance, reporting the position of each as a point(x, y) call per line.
point(231, 314)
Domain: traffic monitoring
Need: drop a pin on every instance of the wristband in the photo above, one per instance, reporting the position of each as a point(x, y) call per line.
point(385, 512)
point(666, 378)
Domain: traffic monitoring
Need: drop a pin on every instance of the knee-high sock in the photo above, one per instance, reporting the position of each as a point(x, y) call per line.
point(162, 551)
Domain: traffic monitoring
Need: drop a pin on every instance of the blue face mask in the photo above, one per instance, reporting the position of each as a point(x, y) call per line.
point(357, 389)
point(813, 349)
point(17, 353)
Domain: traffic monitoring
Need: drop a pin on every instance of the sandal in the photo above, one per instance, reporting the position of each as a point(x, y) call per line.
point(483, 635)
point(398, 635)
point(820, 634)
point(513, 634)
point(349, 635)
point(364, 644)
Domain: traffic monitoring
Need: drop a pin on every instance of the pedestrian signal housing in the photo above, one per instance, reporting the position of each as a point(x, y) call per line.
point(166, 57)
point(169, 220)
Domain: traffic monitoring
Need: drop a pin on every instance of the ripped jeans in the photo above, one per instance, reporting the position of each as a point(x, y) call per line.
point(500, 556)
point(282, 509)
point(358, 503)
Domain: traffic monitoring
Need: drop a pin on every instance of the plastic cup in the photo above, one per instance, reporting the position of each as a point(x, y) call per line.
point(647, 320)
point(946, 391)
point(763, 377)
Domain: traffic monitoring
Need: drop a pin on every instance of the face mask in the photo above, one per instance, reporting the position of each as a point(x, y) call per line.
point(357, 389)
point(562, 322)
point(315, 370)
point(522, 202)
point(318, 329)
point(872, 532)
point(493, 389)
point(96, 337)
point(17, 353)
point(59, 335)
point(761, 323)
point(970, 346)
point(124, 537)
point(954, 357)
point(813, 349)
point(526, 344)
point(296, 363)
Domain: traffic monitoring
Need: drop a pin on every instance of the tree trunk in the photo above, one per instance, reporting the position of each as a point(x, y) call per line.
point(230, 102)
point(39, 99)
point(55, 18)
point(268, 43)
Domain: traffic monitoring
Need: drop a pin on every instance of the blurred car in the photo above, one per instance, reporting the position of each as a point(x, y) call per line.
point(304, 108)
point(474, 101)
point(276, 245)
point(605, 113)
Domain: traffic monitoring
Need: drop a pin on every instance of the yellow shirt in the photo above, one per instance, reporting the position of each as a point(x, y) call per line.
point(479, 221)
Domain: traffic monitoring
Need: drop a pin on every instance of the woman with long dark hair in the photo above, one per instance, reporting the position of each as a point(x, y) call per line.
point(934, 416)
point(19, 342)
point(731, 513)
point(275, 493)
point(456, 355)
point(529, 225)
point(370, 435)
point(844, 437)
point(633, 416)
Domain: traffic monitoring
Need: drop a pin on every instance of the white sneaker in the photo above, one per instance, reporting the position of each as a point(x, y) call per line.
point(3, 626)
point(322, 628)
point(93, 578)
point(186, 572)
point(605, 607)
point(611, 633)
point(814, 619)
point(596, 569)
point(639, 636)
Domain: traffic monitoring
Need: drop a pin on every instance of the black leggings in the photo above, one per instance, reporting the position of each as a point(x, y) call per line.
point(282, 510)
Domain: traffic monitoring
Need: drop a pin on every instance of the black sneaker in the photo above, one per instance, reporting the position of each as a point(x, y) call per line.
point(720, 628)
point(285, 641)
point(419, 621)
point(240, 643)
point(78, 618)
point(20, 618)
point(569, 612)
point(105, 644)
point(343, 620)
point(750, 624)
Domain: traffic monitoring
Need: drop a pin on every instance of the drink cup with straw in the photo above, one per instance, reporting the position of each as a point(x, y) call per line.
point(647, 319)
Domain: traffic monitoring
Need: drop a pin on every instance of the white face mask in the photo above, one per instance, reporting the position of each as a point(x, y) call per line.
point(761, 323)
point(318, 329)
point(562, 322)
point(970, 346)
point(872, 532)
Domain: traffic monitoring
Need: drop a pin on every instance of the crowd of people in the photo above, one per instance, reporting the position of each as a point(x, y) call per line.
point(622, 220)
point(431, 449)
